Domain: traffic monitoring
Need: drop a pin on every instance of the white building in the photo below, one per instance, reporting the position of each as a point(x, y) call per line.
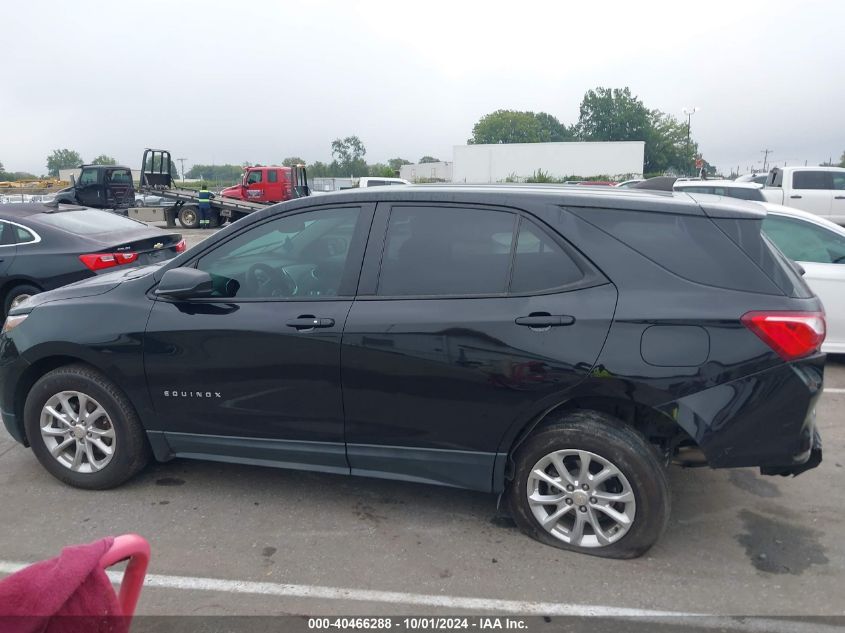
point(518, 161)
point(427, 172)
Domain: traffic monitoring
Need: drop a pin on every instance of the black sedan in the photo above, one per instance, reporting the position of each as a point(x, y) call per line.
point(44, 247)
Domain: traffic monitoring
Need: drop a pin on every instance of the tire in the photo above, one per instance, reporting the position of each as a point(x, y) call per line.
point(189, 216)
point(18, 293)
point(634, 474)
point(139, 204)
point(130, 450)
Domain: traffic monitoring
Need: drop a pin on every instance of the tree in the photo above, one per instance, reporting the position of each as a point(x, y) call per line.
point(348, 156)
point(103, 159)
point(62, 159)
point(381, 169)
point(318, 169)
point(666, 148)
point(293, 161)
point(841, 160)
point(612, 115)
point(1, 166)
point(225, 174)
point(396, 163)
point(512, 126)
point(429, 159)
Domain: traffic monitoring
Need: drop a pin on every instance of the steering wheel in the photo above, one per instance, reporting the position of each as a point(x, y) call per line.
point(266, 281)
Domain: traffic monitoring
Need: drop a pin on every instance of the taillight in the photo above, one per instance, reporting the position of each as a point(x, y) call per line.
point(791, 334)
point(101, 261)
point(181, 247)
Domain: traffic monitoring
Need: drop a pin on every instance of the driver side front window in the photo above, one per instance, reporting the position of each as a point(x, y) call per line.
point(295, 256)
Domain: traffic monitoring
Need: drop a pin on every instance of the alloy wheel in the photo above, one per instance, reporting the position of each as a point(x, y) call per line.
point(78, 431)
point(581, 498)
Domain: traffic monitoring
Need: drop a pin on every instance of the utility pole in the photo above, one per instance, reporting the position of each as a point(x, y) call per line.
point(689, 112)
point(182, 163)
point(765, 153)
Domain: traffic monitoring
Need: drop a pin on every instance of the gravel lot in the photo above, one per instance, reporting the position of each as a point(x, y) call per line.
point(737, 543)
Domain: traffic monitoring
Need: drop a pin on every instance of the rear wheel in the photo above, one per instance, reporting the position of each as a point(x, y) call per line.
point(590, 484)
point(83, 429)
point(189, 216)
point(17, 295)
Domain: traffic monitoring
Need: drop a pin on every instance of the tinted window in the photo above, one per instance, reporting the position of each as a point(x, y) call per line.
point(804, 241)
point(272, 176)
point(745, 193)
point(375, 183)
point(446, 251)
point(88, 177)
point(838, 181)
point(692, 247)
point(89, 221)
point(302, 255)
point(540, 263)
point(7, 235)
point(120, 175)
point(254, 176)
point(811, 180)
point(23, 236)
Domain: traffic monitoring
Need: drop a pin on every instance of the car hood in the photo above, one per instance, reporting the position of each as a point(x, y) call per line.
point(97, 285)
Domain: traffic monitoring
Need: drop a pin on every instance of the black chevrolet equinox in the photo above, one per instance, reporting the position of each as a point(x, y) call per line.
point(557, 346)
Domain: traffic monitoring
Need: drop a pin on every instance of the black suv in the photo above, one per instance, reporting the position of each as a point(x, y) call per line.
point(559, 347)
point(101, 187)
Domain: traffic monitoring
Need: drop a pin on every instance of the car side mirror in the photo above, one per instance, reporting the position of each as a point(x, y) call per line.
point(185, 283)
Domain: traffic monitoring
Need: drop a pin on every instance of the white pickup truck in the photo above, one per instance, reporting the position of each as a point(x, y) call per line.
point(819, 190)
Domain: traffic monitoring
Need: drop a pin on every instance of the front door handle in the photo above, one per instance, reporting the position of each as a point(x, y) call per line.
point(309, 322)
point(795, 197)
point(839, 197)
point(545, 320)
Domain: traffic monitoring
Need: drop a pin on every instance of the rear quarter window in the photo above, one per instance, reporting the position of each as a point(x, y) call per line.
point(691, 247)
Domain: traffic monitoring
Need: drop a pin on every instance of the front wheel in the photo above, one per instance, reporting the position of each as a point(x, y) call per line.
point(590, 484)
point(83, 429)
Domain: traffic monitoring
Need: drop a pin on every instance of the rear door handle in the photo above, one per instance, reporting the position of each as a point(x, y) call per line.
point(308, 322)
point(545, 320)
point(839, 197)
point(795, 197)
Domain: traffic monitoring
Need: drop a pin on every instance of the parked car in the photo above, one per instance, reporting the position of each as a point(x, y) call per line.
point(379, 181)
point(729, 188)
point(150, 200)
point(557, 346)
point(818, 245)
point(43, 247)
point(758, 178)
point(819, 190)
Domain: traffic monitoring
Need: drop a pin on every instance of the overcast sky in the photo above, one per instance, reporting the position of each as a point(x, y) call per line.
point(228, 82)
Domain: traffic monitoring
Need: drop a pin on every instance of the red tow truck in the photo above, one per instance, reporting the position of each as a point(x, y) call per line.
point(259, 187)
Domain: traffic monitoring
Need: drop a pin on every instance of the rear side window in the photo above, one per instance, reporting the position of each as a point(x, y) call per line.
point(691, 247)
point(804, 241)
point(446, 251)
point(89, 221)
point(120, 175)
point(272, 176)
point(540, 263)
point(838, 181)
point(812, 180)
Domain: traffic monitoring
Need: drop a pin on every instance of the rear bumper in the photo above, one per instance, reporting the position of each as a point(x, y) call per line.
point(765, 420)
